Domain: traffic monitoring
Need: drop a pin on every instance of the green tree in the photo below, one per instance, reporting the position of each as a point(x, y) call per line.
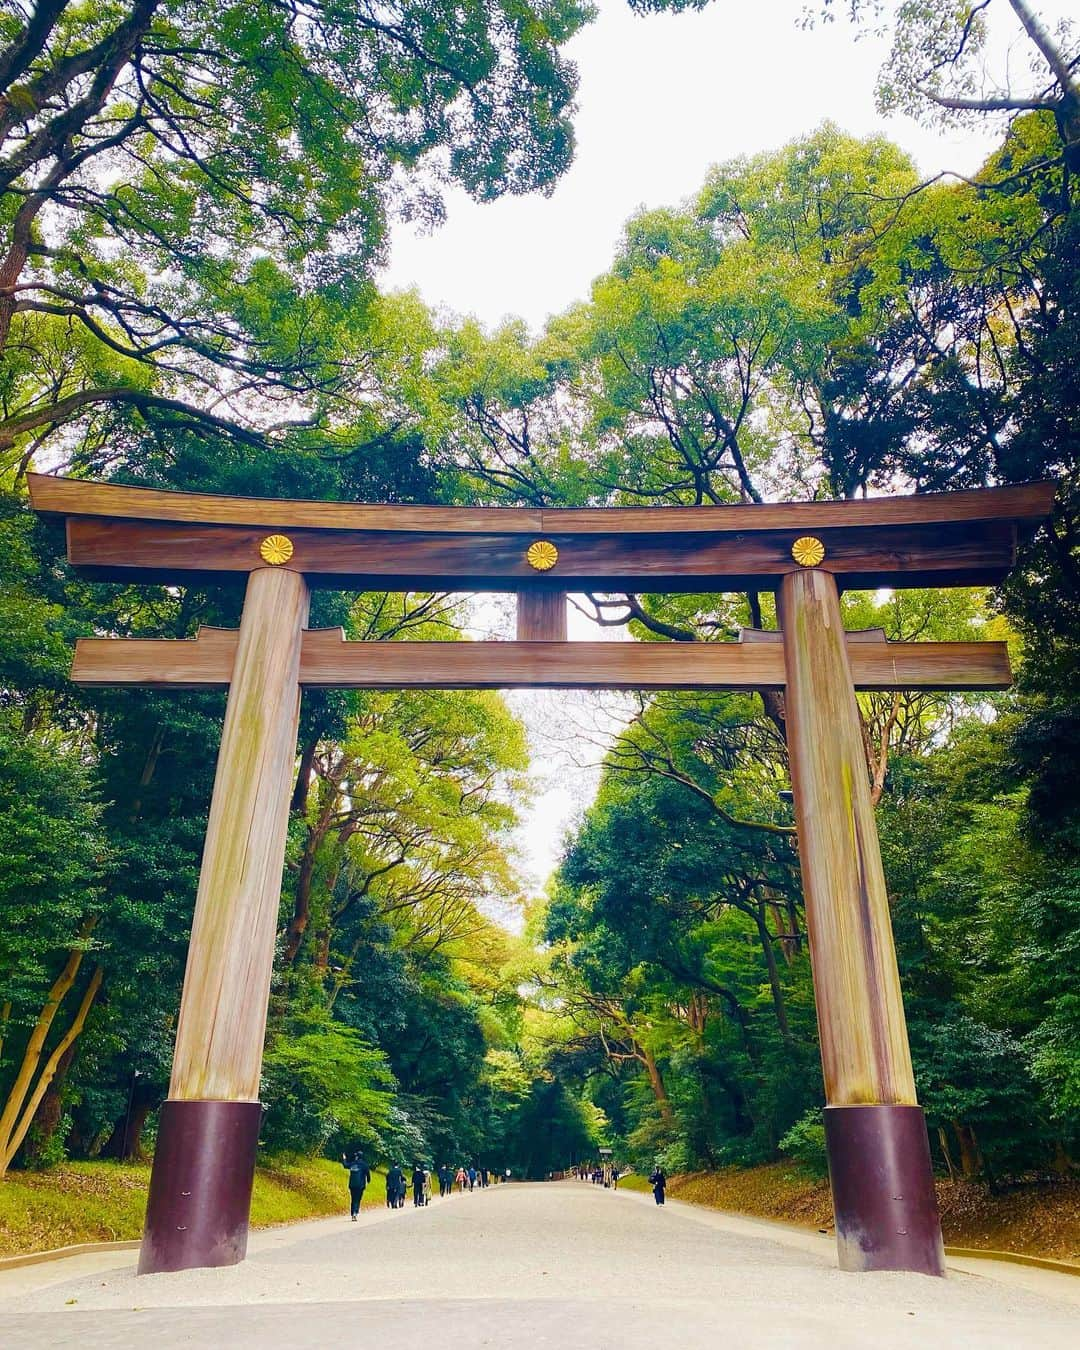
point(322, 1082)
point(51, 897)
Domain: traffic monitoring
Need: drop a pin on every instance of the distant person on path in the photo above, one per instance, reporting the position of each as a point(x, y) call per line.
point(446, 1184)
point(614, 1177)
point(472, 1177)
point(507, 1174)
point(461, 1178)
point(417, 1186)
point(658, 1182)
point(395, 1186)
point(359, 1176)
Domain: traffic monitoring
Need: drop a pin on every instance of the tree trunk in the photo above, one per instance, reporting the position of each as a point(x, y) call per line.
point(51, 1110)
point(774, 973)
point(943, 1140)
point(656, 1082)
point(153, 754)
point(298, 805)
point(301, 915)
point(12, 1127)
point(124, 1144)
point(972, 1163)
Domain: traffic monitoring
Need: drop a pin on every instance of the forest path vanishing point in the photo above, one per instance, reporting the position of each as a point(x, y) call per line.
point(565, 1265)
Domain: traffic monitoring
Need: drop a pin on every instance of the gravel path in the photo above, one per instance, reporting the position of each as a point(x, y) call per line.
point(565, 1266)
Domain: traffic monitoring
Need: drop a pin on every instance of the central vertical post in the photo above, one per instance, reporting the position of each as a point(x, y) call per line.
point(541, 616)
point(879, 1156)
point(204, 1162)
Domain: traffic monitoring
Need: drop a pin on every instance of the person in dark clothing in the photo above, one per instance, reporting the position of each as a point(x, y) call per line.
point(395, 1187)
point(614, 1177)
point(359, 1176)
point(417, 1185)
point(445, 1182)
point(658, 1182)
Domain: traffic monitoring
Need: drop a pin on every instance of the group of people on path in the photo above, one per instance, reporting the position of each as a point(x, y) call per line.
point(600, 1174)
point(398, 1182)
point(608, 1174)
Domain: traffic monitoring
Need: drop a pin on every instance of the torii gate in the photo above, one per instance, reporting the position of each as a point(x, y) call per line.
point(879, 1159)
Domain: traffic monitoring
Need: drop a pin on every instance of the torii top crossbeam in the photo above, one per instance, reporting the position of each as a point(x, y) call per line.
point(936, 539)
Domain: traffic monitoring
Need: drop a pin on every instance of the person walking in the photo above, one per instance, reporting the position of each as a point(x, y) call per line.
point(461, 1178)
point(417, 1186)
point(395, 1186)
point(359, 1176)
point(472, 1177)
point(658, 1182)
point(445, 1183)
point(614, 1177)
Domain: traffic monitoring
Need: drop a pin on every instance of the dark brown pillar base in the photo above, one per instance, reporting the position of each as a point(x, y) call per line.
point(200, 1186)
point(883, 1189)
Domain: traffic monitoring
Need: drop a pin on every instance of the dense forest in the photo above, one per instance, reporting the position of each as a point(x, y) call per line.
point(195, 203)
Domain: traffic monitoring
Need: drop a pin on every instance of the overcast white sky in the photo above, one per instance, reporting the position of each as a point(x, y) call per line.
point(661, 99)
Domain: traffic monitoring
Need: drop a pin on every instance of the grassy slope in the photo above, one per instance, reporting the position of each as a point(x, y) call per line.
point(101, 1202)
point(1039, 1220)
point(634, 1182)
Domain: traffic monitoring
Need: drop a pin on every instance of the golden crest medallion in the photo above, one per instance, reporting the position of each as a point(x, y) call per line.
point(276, 549)
point(808, 551)
point(542, 555)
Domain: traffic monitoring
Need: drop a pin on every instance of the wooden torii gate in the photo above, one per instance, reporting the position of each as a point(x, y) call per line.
point(879, 1160)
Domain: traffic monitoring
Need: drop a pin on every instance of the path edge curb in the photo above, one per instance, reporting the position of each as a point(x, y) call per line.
point(1017, 1258)
point(61, 1253)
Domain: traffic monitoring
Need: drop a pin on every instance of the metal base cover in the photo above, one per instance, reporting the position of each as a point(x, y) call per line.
point(883, 1189)
point(200, 1186)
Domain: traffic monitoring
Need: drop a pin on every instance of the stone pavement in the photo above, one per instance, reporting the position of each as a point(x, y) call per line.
point(567, 1265)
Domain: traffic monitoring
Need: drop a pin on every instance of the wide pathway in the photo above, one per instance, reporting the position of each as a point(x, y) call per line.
point(564, 1265)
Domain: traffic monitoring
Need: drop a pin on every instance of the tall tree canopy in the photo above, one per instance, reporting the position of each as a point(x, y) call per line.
point(201, 192)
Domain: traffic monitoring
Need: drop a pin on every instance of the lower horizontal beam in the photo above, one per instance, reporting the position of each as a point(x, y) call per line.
point(328, 661)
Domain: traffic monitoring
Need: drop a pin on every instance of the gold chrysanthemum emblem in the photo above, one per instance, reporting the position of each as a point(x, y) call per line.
point(276, 549)
point(542, 555)
point(808, 551)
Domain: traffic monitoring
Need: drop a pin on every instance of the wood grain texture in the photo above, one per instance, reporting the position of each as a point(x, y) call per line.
point(541, 616)
point(219, 1039)
point(1029, 502)
point(964, 553)
point(329, 662)
point(201, 662)
point(864, 1045)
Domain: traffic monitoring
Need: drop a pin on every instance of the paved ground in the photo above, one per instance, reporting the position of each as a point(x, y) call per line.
point(569, 1266)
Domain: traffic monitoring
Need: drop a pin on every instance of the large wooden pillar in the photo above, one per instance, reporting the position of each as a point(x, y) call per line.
point(200, 1188)
point(879, 1157)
